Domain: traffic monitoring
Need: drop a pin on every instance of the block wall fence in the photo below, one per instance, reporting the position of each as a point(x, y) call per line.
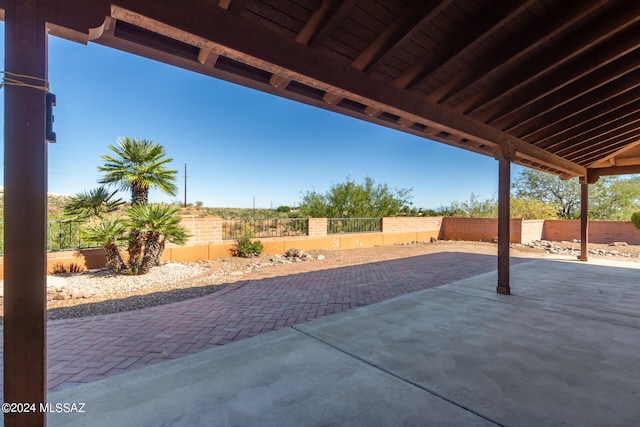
point(206, 241)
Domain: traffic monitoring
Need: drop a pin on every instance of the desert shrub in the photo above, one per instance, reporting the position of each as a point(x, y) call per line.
point(247, 248)
point(64, 268)
point(635, 218)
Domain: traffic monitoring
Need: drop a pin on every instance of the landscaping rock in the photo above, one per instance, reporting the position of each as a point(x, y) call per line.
point(556, 250)
point(619, 244)
point(293, 253)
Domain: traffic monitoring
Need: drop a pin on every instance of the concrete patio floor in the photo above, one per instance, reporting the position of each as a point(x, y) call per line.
point(564, 349)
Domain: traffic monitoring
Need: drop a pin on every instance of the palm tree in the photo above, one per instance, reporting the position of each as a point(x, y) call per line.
point(107, 233)
point(157, 224)
point(140, 164)
point(93, 203)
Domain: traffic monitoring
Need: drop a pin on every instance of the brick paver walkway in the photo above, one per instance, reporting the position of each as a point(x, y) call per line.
point(92, 348)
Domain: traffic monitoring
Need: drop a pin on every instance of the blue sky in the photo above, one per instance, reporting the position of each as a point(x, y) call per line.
point(238, 143)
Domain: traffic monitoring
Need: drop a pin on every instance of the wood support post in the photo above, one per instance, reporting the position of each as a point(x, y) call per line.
point(25, 197)
point(584, 222)
point(504, 226)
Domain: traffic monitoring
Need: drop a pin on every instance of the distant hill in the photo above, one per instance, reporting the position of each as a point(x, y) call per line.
point(56, 204)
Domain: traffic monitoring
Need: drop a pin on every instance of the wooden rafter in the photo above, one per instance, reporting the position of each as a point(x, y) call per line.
point(579, 88)
point(621, 157)
point(527, 41)
point(593, 125)
point(618, 92)
point(556, 54)
point(490, 20)
point(403, 29)
point(324, 20)
point(621, 46)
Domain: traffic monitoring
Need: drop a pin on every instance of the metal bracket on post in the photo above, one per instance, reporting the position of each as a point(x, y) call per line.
point(50, 103)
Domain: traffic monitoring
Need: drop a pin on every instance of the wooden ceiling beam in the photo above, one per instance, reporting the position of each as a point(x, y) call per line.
point(257, 46)
point(528, 40)
point(589, 159)
point(558, 122)
point(331, 98)
point(617, 170)
point(232, 5)
point(592, 125)
point(278, 81)
point(628, 161)
point(597, 134)
point(207, 57)
point(557, 55)
point(483, 25)
point(324, 20)
point(401, 30)
point(618, 47)
point(613, 160)
point(579, 88)
point(607, 143)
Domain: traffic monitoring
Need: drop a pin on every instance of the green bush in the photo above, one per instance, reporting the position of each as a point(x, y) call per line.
point(635, 218)
point(246, 248)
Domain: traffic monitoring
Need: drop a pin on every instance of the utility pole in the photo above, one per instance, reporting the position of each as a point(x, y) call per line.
point(185, 185)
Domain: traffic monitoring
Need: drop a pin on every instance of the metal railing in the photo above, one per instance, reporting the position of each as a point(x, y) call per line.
point(234, 228)
point(353, 225)
point(61, 235)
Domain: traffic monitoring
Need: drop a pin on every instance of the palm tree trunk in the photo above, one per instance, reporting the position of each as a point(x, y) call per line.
point(136, 243)
point(152, 251)
point(139, 195)
point(114, 260)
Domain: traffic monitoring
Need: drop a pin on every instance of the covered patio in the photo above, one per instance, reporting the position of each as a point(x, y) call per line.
point(563, 349)
point(551, 85)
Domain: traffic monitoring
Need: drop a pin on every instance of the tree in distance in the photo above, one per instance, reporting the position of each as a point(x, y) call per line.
point(612, 198)
point(355, 200)
point(540, 195)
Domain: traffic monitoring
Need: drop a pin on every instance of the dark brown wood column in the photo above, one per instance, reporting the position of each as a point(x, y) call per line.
point(25, 197)
point(584, 221)
point(504, 228)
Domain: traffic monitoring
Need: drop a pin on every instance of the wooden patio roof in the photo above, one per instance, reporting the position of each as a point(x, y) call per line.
point(549, 84)
point(552, 84)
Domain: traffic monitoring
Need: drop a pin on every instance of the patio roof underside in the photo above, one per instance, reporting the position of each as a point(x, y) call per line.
point(552, 84)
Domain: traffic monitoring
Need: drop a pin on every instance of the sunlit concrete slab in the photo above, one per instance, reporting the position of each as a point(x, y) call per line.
point(551, 354)
point(284, 378)
point(563, 350)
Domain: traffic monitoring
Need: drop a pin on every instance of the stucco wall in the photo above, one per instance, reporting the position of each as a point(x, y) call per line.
point(206, 242)
point(599, 231)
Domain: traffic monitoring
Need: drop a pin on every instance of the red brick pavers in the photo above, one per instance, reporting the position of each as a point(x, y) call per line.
point(92, 348)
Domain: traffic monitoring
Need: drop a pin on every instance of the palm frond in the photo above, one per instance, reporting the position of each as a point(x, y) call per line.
point(138, 164)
